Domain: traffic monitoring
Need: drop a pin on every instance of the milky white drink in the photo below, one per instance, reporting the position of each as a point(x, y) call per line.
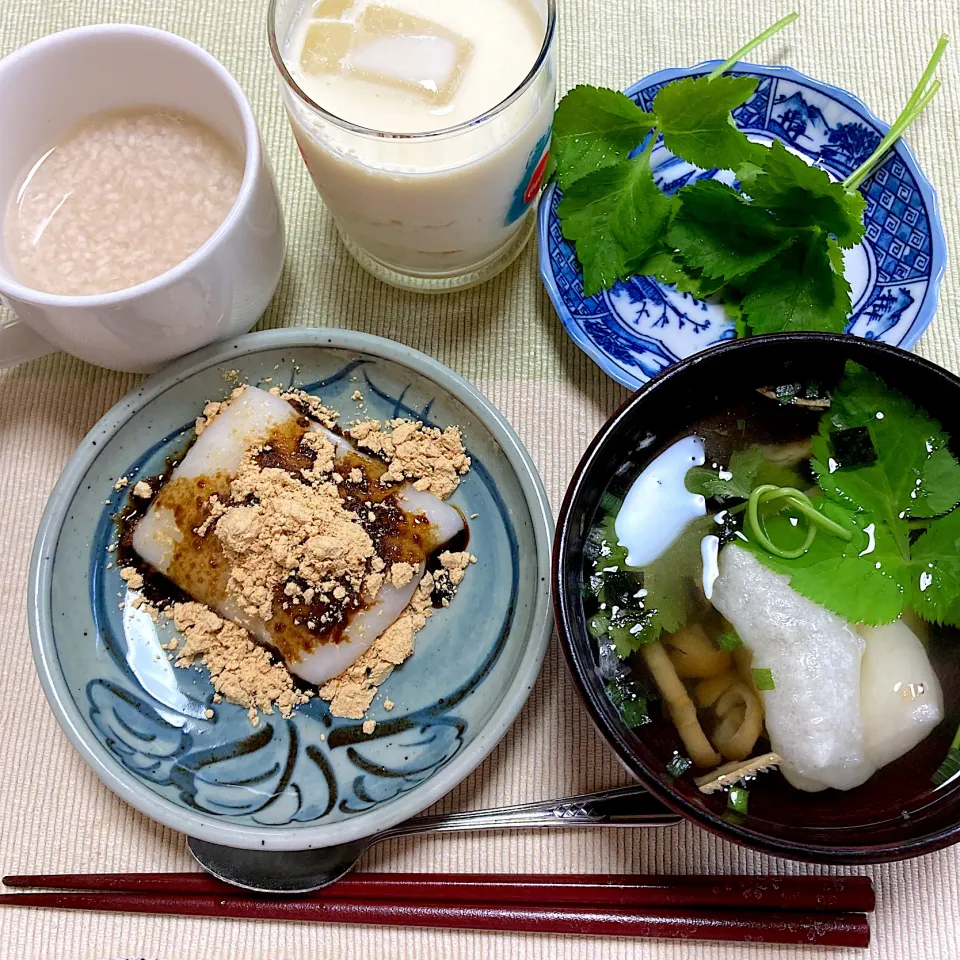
point(448, 200)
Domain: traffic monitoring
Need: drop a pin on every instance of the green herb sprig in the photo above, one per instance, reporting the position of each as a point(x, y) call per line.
point(773, 254)
point(901, 534)
point(892, 514)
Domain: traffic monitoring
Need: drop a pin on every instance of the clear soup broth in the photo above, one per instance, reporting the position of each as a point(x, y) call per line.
point(761, 602)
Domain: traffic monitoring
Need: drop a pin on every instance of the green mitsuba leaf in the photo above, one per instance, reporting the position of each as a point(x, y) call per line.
point(771, 252)
point(612, 216)
point(796, 290)
point(801, 195)
point(693, 115)
point(594, 128)
point(914, 475)
point(861, 581)
point(748, 468)
point(933, 588)
point(882, 570)
point(719, 232)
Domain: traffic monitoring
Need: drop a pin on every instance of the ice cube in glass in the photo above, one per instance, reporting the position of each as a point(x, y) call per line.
point(325, 46)
point(331, 9)
point(398, 49)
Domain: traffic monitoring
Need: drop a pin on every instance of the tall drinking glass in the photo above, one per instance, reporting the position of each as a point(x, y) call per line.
point(434, 211)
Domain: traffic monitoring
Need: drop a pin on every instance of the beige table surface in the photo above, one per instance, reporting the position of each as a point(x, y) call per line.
point(56, 816)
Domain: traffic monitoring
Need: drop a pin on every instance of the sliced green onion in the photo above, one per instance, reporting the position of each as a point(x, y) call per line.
point(729, 641)
point(738, 798)
point(763, 679)
point(598, 625)
point(798, 501)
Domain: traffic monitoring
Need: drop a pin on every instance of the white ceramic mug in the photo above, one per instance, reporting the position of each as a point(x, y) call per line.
point(50, 86)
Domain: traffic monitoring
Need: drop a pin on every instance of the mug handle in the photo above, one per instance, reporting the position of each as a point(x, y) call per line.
point(18, 343)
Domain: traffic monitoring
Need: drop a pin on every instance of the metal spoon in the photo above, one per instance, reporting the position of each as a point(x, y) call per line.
point(302, 871)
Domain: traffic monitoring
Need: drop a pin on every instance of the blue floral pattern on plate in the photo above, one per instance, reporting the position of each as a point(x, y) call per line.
point(641, 326)
point(161, 723)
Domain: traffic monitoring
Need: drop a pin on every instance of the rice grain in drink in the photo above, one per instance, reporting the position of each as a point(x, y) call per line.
point(119, 200)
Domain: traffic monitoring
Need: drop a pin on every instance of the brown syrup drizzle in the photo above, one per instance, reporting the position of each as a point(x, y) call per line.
point(199, 570)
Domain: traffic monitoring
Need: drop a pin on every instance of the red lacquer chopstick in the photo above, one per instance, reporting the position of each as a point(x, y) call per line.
point(826, 894)
point(744, 926)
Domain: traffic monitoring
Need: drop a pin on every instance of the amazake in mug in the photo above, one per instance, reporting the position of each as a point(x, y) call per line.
point(48, 88)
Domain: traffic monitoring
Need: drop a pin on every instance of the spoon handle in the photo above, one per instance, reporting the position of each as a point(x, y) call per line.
point(623, 807)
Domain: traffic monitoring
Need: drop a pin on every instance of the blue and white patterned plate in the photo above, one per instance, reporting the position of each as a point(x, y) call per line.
point(641, 326)
point(312, 780)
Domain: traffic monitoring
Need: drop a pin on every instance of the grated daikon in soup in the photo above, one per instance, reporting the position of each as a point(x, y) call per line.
point(119, 200)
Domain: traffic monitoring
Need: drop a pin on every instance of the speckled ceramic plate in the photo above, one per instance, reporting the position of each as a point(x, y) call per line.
point(312, 780)
point(641, 326)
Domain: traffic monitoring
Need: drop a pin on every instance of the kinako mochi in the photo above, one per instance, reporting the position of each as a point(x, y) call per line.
point(285, 528)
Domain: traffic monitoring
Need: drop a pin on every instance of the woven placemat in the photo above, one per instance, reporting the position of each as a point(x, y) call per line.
point(56, 816)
